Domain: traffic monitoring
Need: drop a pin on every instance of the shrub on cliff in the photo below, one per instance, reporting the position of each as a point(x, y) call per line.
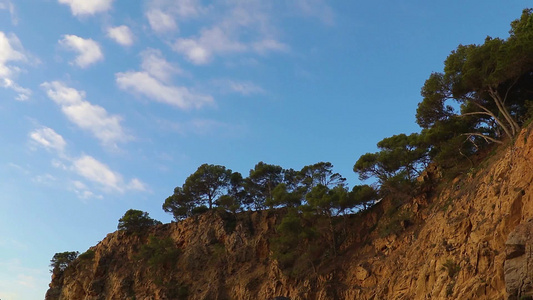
point(135, 221)
point(62, 260)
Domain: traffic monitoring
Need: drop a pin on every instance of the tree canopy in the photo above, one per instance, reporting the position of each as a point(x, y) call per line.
point(60, 261)
point(488, 81)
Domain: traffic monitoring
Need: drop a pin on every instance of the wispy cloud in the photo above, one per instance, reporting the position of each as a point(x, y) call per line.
point(211, 41)
point(23, 93)
point(88, 50)
point(231, 27)
point(155, 64)
point(121, 34)
point(20, 282)
point(152, 82)
point(83, 192)
point(11, 51)
point(161, 22)
point(8, 5)
point(172, 9)
point(203, 127)
point(317, 9)
point(93, 171)
point(97, 172)
point(87, 116)
point(49, 139)
point(44, 179)
point(87, 7)
point(245, 88)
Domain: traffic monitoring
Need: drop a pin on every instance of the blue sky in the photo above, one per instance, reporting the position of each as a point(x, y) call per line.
point(107, 105)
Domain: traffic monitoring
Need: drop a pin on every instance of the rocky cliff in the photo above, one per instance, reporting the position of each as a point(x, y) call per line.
point(470, 237)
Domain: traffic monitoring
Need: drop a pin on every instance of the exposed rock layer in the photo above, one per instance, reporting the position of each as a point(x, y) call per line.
point(471, 239)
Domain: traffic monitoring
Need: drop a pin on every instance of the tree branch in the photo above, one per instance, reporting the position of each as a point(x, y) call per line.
point(486, 138)
point(487, 112)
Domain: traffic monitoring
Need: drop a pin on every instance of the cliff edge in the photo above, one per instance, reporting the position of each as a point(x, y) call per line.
point(470, 237)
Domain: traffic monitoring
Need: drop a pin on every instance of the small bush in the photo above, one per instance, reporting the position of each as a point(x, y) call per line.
point(159, 252)
point(397, 223)
point(87, 255)
point(62, 260)
point(449, 289)
point(135, 221)
point(452, 268)
point(199, 210)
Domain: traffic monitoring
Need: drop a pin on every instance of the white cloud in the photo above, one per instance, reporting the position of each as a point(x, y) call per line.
point(155, 65)
point(11, 50)
point(210, 41)
point(17, 281)
point(87, 7)
point(161, 22)
point(44, 179)
point(179, 9)
point(93, 170)
point(59, 164)
point(49, 139)
point(232, 27)
point(316, 8)
point(8, 5)
point(192, 49)
point(268, 45)
point(239, 27)
point(187, 8)
point(121, 34)
point(143, 84)
point(137, 185)
point(154, 82)
point(23, 93)
point(90, 117)
point(97, 172)
point(244, 88)
point(88, 50)
point(203, 127)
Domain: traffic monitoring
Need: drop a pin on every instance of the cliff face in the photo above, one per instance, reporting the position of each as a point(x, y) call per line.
point(470, 239)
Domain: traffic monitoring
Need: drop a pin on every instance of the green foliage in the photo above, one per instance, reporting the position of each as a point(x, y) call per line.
point(228, 203)
point(202, 189)
point(282, 196)
point(446, 140)
point(401, 159)
point(261, 182)
point(182, 292)
point(207, 183)
point(198, 210)
point(398, 221)
point(180, 204)
point(267, 186)
point(489, 81)
point(87, 255)
point(136, 221)
point(320, 174)
point(159, 253)
point(292, 247)
point(449, 289)
point(451, 267)
point(60, 261)
point(361, 196)
point(528, 112)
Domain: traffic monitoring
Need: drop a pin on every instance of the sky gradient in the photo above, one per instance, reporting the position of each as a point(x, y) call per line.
point(107, 105)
